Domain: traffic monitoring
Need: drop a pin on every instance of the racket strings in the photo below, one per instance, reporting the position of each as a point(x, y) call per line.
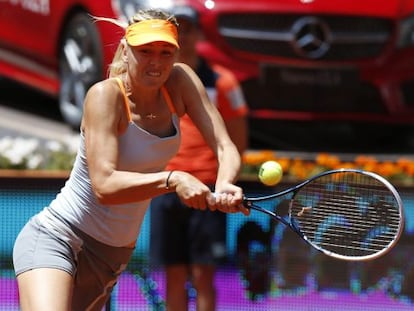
point(346, 213)
point(348, 207)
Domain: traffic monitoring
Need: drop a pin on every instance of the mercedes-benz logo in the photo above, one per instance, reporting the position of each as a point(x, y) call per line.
point(311, 37)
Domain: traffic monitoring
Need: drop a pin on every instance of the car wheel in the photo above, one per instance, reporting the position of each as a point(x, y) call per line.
point(80, 66)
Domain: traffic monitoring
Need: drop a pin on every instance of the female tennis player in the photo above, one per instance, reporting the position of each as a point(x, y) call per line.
point(70, 255)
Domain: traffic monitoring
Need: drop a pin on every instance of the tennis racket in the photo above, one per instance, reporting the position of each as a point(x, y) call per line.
point(347, 214)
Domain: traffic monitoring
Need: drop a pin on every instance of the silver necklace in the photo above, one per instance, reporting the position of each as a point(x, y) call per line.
point(149, 116)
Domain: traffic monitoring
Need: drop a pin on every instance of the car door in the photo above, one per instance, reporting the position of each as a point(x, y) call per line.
point(25, 30)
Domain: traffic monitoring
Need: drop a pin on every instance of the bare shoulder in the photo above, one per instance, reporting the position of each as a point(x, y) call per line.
point(183, 73)
point(179, 86)
point(103, 89)
point(104, 95)
point(103, 100)
point(181, 67)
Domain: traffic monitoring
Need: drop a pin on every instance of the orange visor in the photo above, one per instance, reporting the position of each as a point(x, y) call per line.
point(151, 30)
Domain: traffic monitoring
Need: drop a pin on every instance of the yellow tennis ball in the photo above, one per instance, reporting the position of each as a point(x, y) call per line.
point(270, 173)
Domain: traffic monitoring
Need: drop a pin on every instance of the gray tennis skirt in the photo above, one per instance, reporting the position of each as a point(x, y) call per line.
point(95, 266)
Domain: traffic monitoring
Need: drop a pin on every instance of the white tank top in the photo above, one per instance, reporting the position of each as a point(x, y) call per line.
point(115, 225)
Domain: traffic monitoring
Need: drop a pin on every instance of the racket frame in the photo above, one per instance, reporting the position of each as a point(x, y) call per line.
point(249, 202)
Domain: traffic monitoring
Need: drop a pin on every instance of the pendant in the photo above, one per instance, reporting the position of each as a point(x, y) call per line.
point(150, 116)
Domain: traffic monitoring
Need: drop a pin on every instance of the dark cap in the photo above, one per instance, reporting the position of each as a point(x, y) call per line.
point(185, 12)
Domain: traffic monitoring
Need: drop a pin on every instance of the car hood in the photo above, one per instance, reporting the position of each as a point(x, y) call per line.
point(380, 8)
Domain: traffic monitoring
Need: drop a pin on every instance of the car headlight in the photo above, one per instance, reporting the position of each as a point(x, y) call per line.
point(406, 33)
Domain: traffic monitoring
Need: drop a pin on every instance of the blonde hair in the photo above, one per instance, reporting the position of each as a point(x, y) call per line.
point(118, 66)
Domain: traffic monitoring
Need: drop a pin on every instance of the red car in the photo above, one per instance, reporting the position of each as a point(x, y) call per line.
point(299, 60)
point(55, 47)
point(316, 60)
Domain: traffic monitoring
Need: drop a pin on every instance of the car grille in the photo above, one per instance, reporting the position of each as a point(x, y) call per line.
point(330, 37)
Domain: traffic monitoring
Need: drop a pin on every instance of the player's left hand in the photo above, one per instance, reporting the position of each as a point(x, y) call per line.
point(228, 202)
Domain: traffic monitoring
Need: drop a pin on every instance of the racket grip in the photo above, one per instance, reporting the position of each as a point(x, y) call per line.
point(211, 199)
point(213, 195)
point(243, 207)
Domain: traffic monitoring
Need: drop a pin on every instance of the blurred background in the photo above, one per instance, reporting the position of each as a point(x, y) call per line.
point(331, 76)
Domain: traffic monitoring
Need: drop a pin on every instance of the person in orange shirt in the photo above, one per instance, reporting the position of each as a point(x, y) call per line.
point(190, 243)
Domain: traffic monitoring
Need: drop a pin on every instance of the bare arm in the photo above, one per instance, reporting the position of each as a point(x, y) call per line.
point(210, 123)
point(104, 117)
point(238, 132)
point(103, 121)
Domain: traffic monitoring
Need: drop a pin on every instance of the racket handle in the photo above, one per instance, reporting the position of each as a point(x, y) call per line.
point(211, 199)
point(243, 207)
